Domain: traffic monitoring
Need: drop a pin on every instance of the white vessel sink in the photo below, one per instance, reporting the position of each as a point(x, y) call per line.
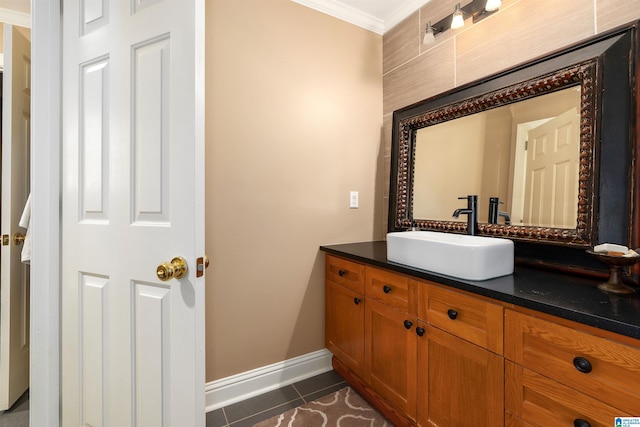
point(456, 255)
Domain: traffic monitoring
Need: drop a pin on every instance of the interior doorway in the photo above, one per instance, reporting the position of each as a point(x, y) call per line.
point(14, 192)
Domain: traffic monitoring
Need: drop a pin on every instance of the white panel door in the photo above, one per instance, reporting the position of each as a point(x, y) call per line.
point(133, 197)
point(553, 156)
point(14, 276)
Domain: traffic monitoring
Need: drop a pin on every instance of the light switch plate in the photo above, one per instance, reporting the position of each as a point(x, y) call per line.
point(353, 200)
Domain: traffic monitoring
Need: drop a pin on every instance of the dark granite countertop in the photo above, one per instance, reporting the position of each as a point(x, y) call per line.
point(571, 297)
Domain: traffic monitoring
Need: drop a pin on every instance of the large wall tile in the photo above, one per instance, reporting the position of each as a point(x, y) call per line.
point(525, 30)
point(428, 75)
point(401, 43)
point(436, 10)
point(612, 13)
point(385, 217)
point(386, 165)
point(387, 123)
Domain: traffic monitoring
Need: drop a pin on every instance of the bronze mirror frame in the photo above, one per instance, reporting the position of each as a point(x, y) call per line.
point(582, 74)
point(605, 67)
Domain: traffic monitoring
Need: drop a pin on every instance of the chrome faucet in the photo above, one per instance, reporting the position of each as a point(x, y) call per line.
point(494, 211)
point(472, 214)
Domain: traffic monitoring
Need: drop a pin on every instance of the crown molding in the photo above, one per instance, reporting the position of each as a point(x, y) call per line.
point(342, 11)
point(13, 17)
point(407, 8)
point(346, 13)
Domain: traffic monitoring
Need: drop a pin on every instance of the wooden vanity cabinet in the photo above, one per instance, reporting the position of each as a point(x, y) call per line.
point(561, 374)
point(429, 355)
point(418, 373)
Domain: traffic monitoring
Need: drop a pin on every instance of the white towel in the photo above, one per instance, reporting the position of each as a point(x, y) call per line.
point(25, 222)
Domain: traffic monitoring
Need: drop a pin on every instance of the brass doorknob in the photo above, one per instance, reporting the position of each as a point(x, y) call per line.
point(18, 238)
point(176, 269)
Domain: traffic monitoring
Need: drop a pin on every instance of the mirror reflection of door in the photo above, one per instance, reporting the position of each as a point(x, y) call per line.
point(483, 153)
point(14, 275)
point(551, 192)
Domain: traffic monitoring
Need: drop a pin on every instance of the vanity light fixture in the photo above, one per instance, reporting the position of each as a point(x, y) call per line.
point(493, 5)
point(457, 20)
point(476, 9)
point(429, 34)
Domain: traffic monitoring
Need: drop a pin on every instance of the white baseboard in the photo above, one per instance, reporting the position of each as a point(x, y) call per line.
point(236, 388)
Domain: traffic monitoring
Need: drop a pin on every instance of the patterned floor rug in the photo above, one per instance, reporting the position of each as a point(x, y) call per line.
point(344, 408)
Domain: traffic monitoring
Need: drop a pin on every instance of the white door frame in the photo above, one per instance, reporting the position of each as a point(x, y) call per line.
point(44, 392)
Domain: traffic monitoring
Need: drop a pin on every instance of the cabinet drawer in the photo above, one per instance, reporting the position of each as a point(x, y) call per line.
point(345, 273)
point(472, 319)
point(540, 401)
point(388, 288)
point(603, 369)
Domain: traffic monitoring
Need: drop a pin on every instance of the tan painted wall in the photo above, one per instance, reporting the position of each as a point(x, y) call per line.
point(519, 31)
point(293, 123)
point(464, 146)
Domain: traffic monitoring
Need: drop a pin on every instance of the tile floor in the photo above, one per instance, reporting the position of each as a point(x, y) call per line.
point(241, 414)
point(256, 409)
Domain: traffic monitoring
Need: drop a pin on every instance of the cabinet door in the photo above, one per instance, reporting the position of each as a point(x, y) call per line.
point(459, 383)
point(390, 355)
point(344, 325)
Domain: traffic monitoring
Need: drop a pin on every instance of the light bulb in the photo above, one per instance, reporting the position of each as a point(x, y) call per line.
point(429, 36)
point(458, 19)
point(492, 5)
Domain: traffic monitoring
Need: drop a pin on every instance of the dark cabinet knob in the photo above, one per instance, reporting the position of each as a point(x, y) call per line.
point(581, 423)
point(357, 300)
point(342, 273)
point(408, 324)
point(582, 365)
point(452, 314)
point(420, 331)
point(386, 289)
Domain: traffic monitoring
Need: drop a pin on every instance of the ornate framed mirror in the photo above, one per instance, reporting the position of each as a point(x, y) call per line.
point(554, 140)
